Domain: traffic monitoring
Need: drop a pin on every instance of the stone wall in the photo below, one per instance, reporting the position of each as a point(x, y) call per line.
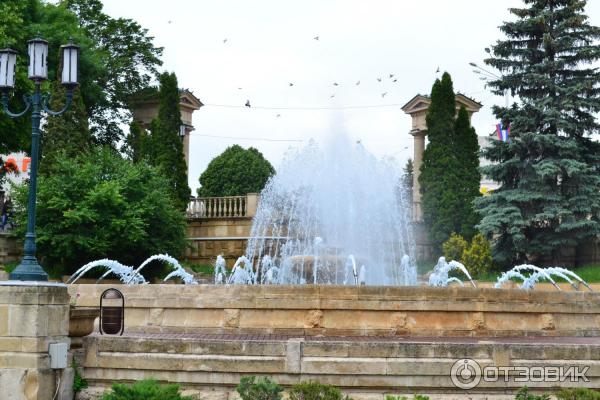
point(32, 315)
point(362, 311)
point(10, 248)
point(365, 369)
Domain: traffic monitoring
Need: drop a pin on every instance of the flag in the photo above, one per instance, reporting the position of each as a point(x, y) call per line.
point(502, 132)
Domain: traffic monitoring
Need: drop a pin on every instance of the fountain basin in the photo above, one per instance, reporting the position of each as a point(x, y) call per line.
point(310, 310)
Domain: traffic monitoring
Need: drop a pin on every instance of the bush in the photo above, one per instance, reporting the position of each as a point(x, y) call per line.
point(415, 397)
point(102, 206)
point(251, 388)
point(523, 394)
point(144, 390)
point(478, 257)
point(578, 394)
point(454, 247)
point(315, 391)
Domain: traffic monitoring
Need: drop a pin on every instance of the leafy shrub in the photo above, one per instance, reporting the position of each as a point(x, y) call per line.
point(454, 247)
point(578, 394)
point(478, 257)
point(415, 397)
point(251, 388)
point(523, 394)
point(103, 206)
point(316, 391)
point(144, 390)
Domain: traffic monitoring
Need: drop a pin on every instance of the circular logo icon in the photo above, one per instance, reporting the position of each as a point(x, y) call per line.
point(465, 374)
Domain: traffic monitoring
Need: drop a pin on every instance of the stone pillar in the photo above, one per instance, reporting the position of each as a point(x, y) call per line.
point(418, 149)
point(251, 204)
point(186, 149)
point(32, 316)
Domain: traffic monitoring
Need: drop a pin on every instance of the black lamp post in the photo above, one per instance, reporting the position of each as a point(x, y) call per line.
point(29, 269)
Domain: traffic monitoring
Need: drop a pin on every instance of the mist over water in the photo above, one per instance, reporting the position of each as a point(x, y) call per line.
point(335, 214)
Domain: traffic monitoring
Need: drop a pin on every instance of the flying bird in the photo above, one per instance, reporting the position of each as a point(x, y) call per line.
point(383, 94)
point(391, 76)
point(379, 79)
point(225, 40)
point(358, 83)
point(247, 103)
point(278, 115)
point(437, 71)
point(335, 84)
point(358, 141)
point(291, 84)
point(395, 80)
point(239, 88)
point(332, 96)
point(170, 22)
point(316, 38)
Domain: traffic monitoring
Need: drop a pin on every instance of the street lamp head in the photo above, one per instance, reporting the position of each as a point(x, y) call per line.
point(38, 59)
point(8, 62)
point(70, 64)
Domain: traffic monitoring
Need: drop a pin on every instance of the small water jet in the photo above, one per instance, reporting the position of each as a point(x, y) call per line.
point(439, 276)
point(540, 273)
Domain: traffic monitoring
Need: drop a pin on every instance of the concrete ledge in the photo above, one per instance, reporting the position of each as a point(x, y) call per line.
point(340, 310)
point(371, 367)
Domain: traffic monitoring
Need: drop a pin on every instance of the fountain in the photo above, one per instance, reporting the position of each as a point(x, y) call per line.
point(439, 275)
point(540, 273)
point(327, 210)
point(130, 276)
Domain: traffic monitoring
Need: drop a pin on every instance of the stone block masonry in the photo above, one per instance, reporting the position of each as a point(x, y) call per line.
point(32, 315)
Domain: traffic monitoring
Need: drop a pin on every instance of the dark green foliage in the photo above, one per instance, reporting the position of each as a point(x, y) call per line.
point(235, 172)
point(144, 390)
point(117, 59)
point(523, 394)
point(66, 135)
point(315, 391)
point(550, 170)
point(449, 178)
point(251, 388)
point(137, 143)
point(102, 206)
point(415, 397)
point(167, 146)
point(578, 394)
point(407, 180)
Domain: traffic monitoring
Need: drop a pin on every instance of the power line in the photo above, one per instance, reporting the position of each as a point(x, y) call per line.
point(247, 138)
point(306, 108)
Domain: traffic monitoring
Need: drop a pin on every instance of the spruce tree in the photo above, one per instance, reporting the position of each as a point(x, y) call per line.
point(549, 171)
point(166, 142)
point(407, 180)
point(466, 149)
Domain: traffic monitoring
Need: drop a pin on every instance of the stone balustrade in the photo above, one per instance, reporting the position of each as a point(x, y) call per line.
point(223, 207)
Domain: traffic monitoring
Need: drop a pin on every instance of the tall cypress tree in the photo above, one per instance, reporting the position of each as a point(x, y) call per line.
point(437, 179)
point(466, 149)
point(166, 142)
point(549, 171)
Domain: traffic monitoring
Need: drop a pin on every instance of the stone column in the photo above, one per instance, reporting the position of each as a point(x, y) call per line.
point(32, 316)
point(186, 148)
point(419, 148)
point(251, 204)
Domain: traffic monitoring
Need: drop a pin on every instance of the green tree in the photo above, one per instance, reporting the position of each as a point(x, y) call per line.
point(466, 150)
point(167, 146)
point(136, 143)
point(235, 172)
point(407, 179)
point(549, 171)
point(438, 179)
point(67, 134)
point(102, 206)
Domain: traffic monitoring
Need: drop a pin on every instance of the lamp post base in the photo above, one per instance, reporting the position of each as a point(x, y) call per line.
point(28, 270)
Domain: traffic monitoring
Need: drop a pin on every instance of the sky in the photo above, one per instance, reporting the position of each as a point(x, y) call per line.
point(230, 51)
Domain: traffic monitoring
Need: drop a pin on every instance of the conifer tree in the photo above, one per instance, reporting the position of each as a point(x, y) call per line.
point(466, 149)
point(136, 143)
point(65, 135)
point(549, 171)
point(167, 151)
point(438, 198)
